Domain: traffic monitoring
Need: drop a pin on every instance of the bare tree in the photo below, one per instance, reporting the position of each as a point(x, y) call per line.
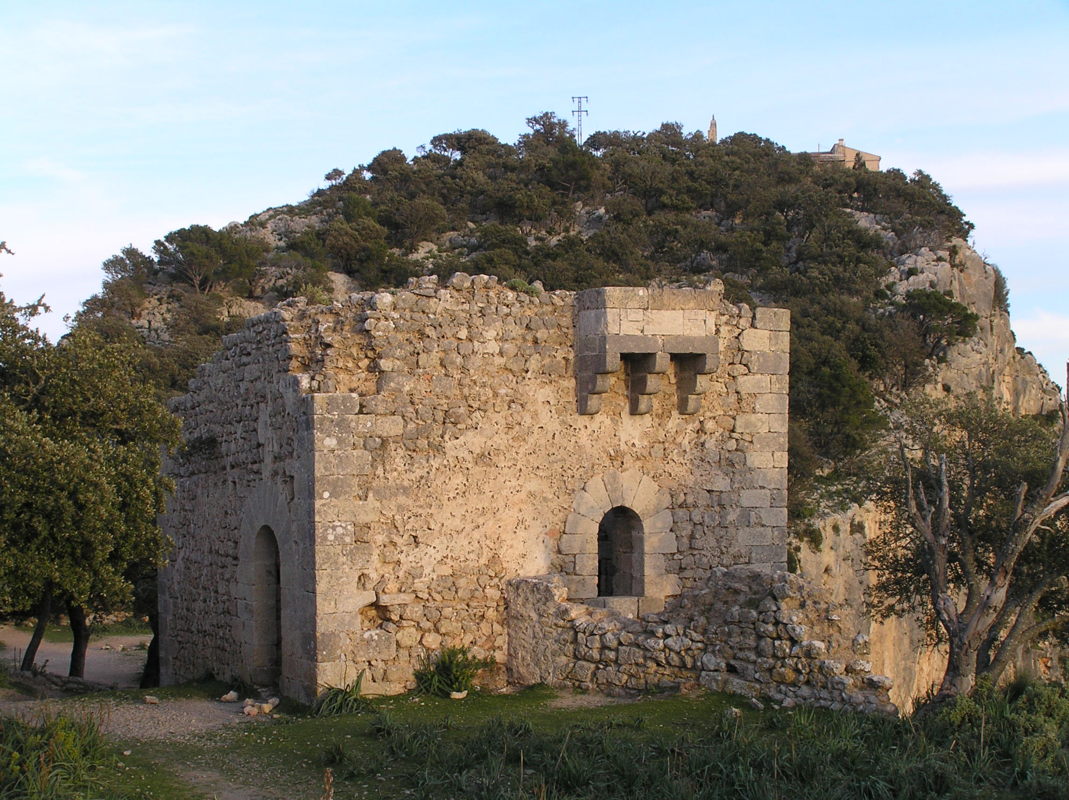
point(982, 544)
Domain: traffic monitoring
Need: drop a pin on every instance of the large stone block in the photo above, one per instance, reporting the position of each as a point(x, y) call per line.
point(578, 524)
point(661, 543)
point(768, 554)
point(372, 645)
point(752, 384)
point(587, 506)
point(772, 319)
point(576, 543)
point(754, 498)
point(772, 363)
point(339, 557)
point(612, 297)
point(580, 587)
point(586, 564)
point(662, 585)
point(751, 423)
point(754, 339)
point(771, 404)
point(343, 462)
point(685, 299)
point(769, 516)
point(595, 488)
point(663, 323)
point(661, 522)
point(352, 600)
point(336, 403)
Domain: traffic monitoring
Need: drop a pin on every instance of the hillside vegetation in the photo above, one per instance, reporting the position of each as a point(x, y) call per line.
point(622, 209)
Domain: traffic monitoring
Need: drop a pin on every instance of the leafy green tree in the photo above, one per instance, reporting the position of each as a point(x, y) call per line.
point(418, 219)
point(80, 480)
point(941, 322)
point(980, 544)
point(204, 258)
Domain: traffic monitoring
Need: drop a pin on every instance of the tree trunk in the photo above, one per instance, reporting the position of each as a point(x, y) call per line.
point(151, 675)
point(44, 611)
point(80, 629)
point(960, 675)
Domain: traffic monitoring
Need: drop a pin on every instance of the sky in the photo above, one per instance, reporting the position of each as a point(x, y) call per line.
point(123, 121)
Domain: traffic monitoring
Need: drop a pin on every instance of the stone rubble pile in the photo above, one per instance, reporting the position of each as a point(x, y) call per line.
point(747, 632)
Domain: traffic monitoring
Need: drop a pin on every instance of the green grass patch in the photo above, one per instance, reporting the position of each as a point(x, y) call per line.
point(55, 757)
point(1011, 743)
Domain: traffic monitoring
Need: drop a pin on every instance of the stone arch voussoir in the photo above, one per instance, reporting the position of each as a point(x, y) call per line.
point(579, 544)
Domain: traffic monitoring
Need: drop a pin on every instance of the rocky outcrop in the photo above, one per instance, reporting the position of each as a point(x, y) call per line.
point(990, 360)
point(834, 557)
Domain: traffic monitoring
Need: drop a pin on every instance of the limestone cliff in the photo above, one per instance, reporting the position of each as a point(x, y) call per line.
point(989, 361)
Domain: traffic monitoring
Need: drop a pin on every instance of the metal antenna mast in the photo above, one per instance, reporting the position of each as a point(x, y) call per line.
point(578, 114)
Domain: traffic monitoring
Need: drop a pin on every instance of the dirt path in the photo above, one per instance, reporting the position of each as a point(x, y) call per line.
point(112, 660)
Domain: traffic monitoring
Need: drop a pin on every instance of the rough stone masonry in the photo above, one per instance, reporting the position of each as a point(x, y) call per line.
point(361, 482)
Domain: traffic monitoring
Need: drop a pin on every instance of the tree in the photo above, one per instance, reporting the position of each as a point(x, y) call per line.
point(80, 480)
point(334, 177)
point(204, 257)
point(981, 541)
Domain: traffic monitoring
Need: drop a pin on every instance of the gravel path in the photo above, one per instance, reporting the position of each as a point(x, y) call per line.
point(176, 720)
point(112, 660)
point(115, 661)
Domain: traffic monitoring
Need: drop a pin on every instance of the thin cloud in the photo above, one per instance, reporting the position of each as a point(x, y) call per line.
point(50, 168)
point(1002, 169)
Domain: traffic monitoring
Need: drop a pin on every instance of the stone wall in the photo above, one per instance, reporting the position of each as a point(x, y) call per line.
point(430, 447)
point(246, 464)
point(745, 631)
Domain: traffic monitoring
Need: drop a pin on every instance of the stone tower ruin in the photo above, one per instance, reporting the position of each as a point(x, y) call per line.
point(367, 482)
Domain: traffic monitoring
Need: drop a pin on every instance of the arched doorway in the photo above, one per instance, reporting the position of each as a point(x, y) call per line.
point(266, 610)
point(620, 553)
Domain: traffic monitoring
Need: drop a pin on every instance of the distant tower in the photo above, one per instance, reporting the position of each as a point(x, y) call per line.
point(712, 129)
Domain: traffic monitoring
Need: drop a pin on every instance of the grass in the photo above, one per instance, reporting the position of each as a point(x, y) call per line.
point(55, 757)
point(1011, 743)
point(452, 669)
point(342, 700)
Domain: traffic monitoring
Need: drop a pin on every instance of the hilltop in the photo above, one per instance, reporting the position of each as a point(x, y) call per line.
point(882, 286)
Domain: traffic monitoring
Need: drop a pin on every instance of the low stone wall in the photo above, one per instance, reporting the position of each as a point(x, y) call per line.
point(747, 631)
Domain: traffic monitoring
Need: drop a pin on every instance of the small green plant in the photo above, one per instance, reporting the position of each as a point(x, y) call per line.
point(520, 285)
point(811, 535)
point(337, 700)
point(315, 295)
point(453, 669)
point(54, 757)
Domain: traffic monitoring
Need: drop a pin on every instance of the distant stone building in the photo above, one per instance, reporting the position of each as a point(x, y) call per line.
point(369, 481)
point(846, 156)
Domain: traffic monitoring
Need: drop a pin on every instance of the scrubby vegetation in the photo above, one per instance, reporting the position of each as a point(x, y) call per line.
point(52, 759)
point(999, 743)
point(624, 208)
point(451, 669)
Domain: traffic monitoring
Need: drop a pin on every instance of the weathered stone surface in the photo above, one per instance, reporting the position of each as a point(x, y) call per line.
point(739, 652)
point(397, 458)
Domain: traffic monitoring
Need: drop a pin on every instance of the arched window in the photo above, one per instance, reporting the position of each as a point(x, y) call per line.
point(267, 610)
point(620, 553)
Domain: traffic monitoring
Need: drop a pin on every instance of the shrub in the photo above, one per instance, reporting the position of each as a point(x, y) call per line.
point(337, 700)
point(54, 757)
point(451, 670)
